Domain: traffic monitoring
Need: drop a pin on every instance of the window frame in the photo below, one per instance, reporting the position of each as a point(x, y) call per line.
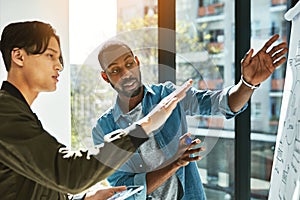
point(242, 129)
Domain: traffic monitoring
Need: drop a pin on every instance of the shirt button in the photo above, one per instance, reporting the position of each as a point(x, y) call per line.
point(141, 165)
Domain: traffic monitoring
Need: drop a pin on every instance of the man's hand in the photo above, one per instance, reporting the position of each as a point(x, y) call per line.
point(258, 68)
point(103, 194)
point(185, 151)
point(158, 116)
point(182, 157)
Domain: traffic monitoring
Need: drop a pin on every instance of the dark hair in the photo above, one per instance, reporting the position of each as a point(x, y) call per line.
point(110, 46)
point(32, 36)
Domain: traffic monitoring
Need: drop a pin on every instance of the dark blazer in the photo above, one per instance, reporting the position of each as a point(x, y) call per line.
point(34, 165)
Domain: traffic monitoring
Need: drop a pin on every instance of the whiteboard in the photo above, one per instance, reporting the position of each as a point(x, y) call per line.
point(285, 183)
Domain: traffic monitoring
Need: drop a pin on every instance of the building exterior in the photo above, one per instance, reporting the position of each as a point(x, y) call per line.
point(205, 52)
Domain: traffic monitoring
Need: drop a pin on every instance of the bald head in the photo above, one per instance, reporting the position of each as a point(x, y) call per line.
point(110, 51)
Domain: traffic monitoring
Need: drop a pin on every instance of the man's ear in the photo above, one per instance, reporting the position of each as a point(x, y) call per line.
point(104, 76)
point(17, 56)
point(137, 60)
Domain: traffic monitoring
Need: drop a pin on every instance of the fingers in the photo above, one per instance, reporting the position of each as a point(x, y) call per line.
point(270, 42)
point(171, 104)
point(281, 47)
point(195, 142)
point(186, 145)
point(168, 104)
point(196, 150)
point(278, 55)
point(247, 57)
point(195, 158)
point(279, 62)
point(186, 139)
point(189, 154)
point(180, 91)
point(278, 51)
point(176, 95)
point(189, 151)
point(162, 111)
point(181, 94)
point(118, 188)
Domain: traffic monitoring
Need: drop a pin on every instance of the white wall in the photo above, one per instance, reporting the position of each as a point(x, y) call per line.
point(52, 108)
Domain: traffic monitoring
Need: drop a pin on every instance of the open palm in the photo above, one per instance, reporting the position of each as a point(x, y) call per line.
point(258, 68)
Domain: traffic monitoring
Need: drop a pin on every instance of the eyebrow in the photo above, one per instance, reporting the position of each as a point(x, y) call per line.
point(55, 51)
point(130, 55)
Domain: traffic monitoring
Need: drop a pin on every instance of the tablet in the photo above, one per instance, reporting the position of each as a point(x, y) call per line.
point(131, 190)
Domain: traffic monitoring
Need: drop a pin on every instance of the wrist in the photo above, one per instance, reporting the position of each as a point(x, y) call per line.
point(175, 165)
point(252, 87)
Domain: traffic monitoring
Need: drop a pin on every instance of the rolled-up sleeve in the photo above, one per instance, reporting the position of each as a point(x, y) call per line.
point(140, 179)
point(208, 102)
point(224, 106)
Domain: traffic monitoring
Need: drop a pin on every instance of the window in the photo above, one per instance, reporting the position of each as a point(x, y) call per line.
point(209, 62)
point(256, 110)
point(267, 19)
point(205, 51)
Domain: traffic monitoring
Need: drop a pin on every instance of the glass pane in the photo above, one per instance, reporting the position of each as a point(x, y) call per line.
point(205, 53)
point(88, 90)
point(137, 26)
point(134, 22)
point(267, 18)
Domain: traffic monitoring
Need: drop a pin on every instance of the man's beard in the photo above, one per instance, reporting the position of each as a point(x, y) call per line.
point(129, 94)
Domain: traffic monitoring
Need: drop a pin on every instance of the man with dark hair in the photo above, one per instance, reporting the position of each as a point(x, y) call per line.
point(33, 165)
point(179, 178)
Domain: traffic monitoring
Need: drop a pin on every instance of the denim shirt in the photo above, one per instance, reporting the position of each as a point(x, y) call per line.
point(196, 102)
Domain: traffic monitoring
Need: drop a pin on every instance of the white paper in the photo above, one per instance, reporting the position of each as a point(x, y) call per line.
point(284, 184)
